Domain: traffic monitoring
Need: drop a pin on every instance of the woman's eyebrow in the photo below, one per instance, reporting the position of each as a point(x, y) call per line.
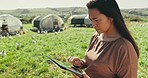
point(94, 18)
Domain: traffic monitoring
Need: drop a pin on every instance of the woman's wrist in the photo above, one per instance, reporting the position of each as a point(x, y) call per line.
point(81, 66)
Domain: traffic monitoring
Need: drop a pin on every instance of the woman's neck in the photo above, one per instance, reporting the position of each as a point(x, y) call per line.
point(110, 35)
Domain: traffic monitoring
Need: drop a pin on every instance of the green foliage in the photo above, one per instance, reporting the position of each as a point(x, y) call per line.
point(30, 60)
point(136, 19)
point(26, 20)
point(139, 32)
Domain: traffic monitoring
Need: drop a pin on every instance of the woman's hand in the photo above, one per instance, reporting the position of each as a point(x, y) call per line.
point(75, 61)
point(84, 75)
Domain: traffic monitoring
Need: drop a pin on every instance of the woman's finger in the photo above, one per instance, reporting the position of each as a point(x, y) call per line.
point(84, 74)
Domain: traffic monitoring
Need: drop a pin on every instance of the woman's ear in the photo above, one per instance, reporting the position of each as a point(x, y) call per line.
point(111, 19)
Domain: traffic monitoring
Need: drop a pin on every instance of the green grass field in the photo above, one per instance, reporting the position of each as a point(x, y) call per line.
point(30, 60)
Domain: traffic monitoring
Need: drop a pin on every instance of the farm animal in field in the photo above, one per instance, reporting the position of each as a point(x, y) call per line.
point(10, 37)
point(33, 41)
point(2, 37)
point(3, 53)
point(32, 37)
point(65, 28)
point(18, 35)
point(17, 46)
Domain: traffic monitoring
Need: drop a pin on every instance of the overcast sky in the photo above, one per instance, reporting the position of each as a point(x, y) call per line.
point(22, 4)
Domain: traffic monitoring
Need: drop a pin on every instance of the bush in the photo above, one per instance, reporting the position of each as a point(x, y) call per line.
point(136, 19)
point(26, 20)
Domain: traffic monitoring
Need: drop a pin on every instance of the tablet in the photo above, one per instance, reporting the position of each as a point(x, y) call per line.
point(72, 70)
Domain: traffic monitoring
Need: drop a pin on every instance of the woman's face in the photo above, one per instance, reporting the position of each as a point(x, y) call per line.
point(100, 21)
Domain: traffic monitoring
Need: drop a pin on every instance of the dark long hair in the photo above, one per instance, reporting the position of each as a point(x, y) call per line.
point(111, 9)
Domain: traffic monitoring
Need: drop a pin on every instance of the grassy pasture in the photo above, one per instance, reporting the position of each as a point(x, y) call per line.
point(30, 60)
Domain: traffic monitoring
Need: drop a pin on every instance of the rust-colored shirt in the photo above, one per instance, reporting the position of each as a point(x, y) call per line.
point(111, 59)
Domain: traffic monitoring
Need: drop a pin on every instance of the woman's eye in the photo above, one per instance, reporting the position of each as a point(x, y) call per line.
point(97, 20)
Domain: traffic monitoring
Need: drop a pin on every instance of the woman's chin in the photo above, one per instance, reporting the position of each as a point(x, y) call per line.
point(98, 31)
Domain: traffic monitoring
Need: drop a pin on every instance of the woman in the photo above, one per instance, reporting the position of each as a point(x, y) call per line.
point(112, 52)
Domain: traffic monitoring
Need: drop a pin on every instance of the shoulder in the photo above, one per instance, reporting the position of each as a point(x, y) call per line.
point(125, 47)
point(127, 62)
point(124, 43)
